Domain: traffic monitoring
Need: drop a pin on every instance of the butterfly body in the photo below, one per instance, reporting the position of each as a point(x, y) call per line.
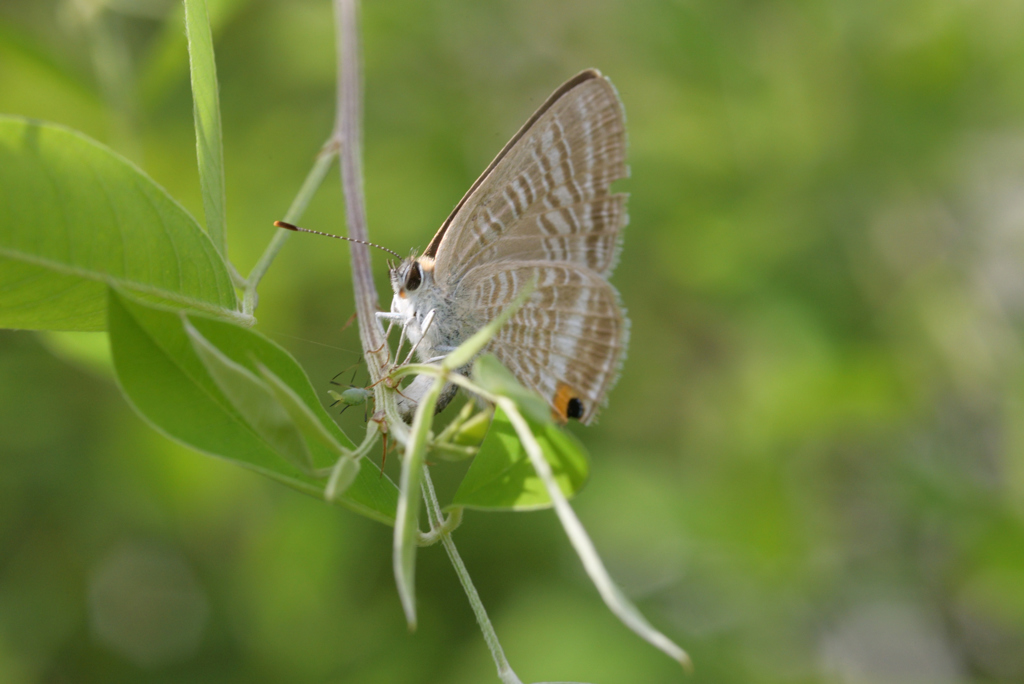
point(416, 295)
point(541, 212)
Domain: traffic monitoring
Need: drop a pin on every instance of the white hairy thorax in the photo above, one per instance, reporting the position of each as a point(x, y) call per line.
point(431, 323)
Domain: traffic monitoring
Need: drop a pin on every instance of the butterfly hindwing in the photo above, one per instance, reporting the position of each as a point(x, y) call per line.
point(566, 343)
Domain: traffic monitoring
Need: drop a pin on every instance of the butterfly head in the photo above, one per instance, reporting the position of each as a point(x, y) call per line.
point(411, 276)
point(418, 301)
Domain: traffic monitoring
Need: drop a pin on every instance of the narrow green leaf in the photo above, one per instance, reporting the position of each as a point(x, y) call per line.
point(343, 474)
point(206, 112)
point(77, 217)
point(408, 510)
point(162, 68)
point(255, 401)
point(501, 476)
point(167, 383)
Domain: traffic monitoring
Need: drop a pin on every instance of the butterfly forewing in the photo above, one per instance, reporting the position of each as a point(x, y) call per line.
point(586, 234)
point(546, 197)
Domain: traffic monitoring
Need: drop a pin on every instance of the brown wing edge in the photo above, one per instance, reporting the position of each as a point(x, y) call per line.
point(582, 77)
point(613, 377)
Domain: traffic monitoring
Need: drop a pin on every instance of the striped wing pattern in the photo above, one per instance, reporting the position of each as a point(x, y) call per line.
point(543, 209)
point(547, 196)
point(566, 342)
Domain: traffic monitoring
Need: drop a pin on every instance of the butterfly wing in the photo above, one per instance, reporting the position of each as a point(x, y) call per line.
point(566, 343)
point(546, 195)
point(543, 210)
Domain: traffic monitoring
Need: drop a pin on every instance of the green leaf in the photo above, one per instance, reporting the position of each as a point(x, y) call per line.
point(252, 398)
point(472, 431)
point(345, 469)
point(206, 112)
point(490, 374)
point(167, 383)
point(77, 217)
point(303, 416)
point(502, 478)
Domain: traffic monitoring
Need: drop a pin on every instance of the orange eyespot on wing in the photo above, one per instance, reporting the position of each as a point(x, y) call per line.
point(566, 404)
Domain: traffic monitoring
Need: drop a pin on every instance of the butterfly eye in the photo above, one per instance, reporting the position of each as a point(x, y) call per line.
point(414, 278)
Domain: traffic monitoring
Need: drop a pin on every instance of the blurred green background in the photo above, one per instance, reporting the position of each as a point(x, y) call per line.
point(811, 470)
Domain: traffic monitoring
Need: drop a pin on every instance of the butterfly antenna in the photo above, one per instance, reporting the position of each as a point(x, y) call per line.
point(289, 226)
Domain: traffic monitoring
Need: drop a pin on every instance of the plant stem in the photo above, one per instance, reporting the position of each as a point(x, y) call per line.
point(435, 515)
point(613, 597)
point(348, 129)
point(447, 525)
point(309, 187)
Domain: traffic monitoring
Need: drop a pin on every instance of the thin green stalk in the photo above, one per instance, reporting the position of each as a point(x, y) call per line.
point(448, 525)
point(613, 597)
point(434, 514)
point(302, 199)
point(369, 439)
point(237, 279)
point(455, 425)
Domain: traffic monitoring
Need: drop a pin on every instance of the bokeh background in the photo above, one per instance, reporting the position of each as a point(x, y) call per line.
point(811, 470)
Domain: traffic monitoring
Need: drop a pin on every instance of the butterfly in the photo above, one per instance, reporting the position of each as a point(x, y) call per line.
point(543, 211)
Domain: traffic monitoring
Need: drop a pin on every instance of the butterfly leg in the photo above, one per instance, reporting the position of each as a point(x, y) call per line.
point(447, 349)
point(391, 317)
point(401, 337)
point(428, 319)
